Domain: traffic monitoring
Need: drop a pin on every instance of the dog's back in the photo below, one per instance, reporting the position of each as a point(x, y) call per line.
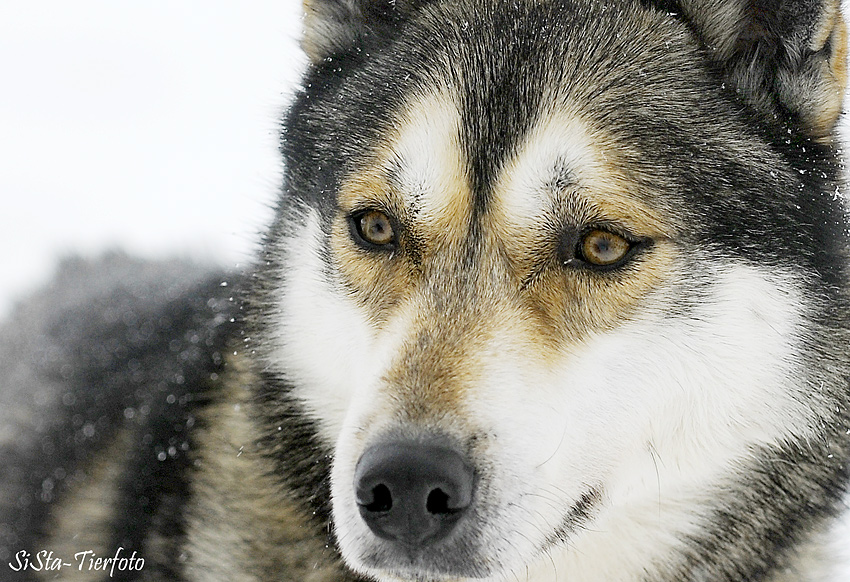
point(102, 374)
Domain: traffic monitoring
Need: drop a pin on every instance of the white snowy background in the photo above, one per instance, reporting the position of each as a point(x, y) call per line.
point(144, 126)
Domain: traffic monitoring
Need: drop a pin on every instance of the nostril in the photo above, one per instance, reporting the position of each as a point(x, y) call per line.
point(382, 500)
point(437, 502)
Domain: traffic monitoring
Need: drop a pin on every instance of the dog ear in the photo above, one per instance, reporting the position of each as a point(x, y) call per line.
point(779, 55)
point(335, 26)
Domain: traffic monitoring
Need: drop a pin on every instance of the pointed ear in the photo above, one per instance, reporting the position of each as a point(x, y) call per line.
point(335, 26)
point(780, 55)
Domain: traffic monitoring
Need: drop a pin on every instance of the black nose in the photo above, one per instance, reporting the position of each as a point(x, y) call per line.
point(413, 493)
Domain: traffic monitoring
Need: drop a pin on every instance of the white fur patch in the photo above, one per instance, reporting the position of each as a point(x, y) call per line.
point(426, 154)
point(558, 151)
point(326, 343)
point(655, 413)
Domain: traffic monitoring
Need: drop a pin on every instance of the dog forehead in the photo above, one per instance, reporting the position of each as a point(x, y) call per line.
point(561, 164)
point(466, 91)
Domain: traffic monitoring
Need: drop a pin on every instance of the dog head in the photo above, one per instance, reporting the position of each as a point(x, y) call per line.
point(544, 271)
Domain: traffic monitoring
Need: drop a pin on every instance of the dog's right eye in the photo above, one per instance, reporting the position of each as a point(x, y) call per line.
point(373, 228)
point(601, 248)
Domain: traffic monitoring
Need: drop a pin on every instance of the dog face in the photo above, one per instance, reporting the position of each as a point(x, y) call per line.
point(539, 280)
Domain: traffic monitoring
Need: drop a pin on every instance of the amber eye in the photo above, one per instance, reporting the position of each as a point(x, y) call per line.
point(602, 248)
point(374, 227)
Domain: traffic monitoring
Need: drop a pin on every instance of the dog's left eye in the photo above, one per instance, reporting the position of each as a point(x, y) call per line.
point(602, 248)
point(374, 228)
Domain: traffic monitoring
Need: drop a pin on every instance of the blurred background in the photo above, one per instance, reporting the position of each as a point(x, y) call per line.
point(146, 126)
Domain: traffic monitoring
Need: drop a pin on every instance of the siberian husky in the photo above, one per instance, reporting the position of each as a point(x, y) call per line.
point(557, 290)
